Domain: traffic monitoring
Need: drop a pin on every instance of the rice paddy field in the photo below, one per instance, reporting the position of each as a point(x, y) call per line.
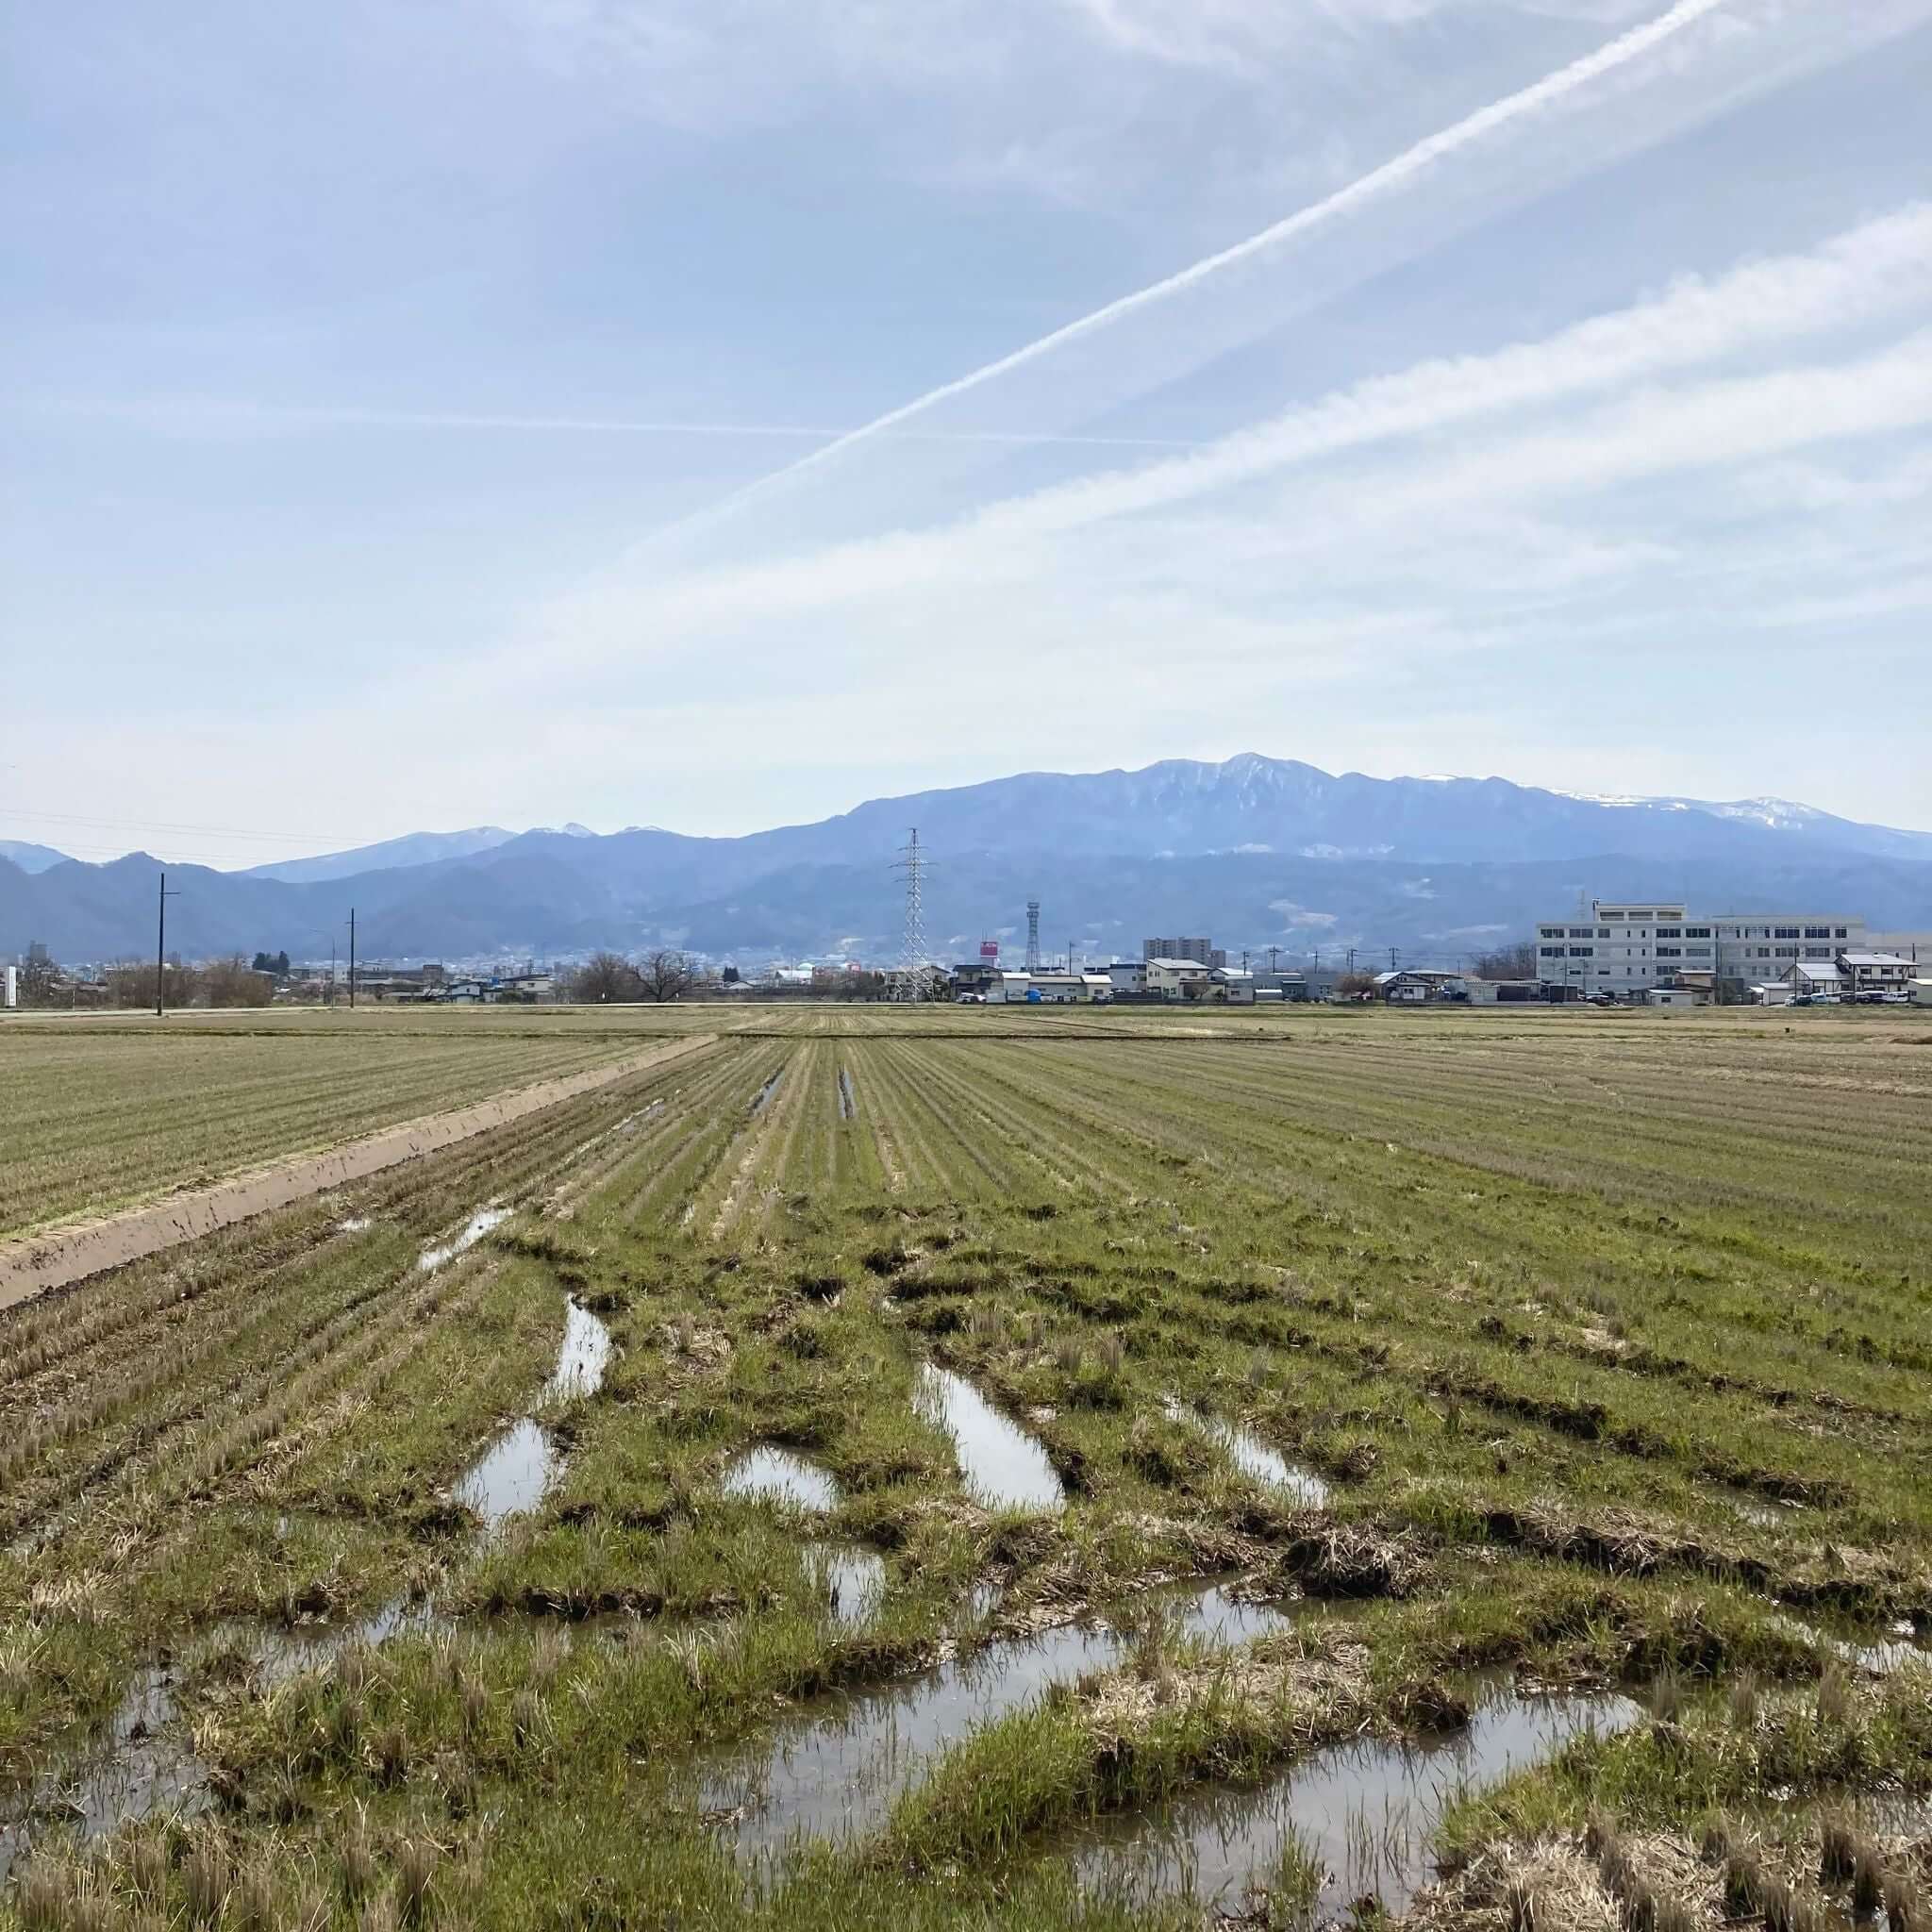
point(956, 1467)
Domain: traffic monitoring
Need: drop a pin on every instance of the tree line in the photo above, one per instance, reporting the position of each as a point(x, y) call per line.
point(609, 978)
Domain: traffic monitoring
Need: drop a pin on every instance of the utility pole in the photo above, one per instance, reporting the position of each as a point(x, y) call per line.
point(352, 958)
point(331, 970)
point(1393, 953)
point(1272, 952)
point(1351, 962)
point(161, 945)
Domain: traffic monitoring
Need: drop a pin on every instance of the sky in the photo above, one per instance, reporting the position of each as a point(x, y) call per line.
point(711, 413)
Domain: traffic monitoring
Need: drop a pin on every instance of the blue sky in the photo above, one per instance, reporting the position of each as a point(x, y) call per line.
point(711, 412)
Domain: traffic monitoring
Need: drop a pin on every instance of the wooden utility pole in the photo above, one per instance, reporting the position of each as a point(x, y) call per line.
point(161, 945)
point(352, 958)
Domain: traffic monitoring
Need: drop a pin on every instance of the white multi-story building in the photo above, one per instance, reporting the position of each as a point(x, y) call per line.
point(1628, 949)
point(1753, 947)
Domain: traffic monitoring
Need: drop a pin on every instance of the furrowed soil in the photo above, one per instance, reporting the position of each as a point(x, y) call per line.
point(1024, 1470)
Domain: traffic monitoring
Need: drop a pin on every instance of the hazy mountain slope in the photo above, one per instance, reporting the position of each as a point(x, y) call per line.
point(30, 858)
point(413, 848)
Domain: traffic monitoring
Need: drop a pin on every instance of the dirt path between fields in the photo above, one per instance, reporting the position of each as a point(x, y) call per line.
point(33, 1264)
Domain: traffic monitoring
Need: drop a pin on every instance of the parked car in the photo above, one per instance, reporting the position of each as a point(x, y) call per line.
point(971, 999)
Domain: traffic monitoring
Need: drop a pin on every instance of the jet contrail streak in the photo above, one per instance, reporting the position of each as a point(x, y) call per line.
point(1405, 167)
point(349, 415)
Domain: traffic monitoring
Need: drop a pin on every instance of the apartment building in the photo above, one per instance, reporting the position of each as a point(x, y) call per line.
point(1201, 951)
point(1628, 949)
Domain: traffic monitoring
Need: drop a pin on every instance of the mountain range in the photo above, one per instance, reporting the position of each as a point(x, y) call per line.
point(1255, 851)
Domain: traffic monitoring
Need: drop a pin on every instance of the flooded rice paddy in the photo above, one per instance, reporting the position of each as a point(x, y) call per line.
point(1004, 1467)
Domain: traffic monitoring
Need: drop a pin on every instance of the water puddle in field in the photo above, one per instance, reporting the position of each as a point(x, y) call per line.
point(835, 1770)
point(1252, 1456)
point(1877, 1657)
point(136, 1765)
point(583, 1357)
point(777, 1476)
point(1364, 1811)
point(630, 1122)
point(848, 1096)
point(356, 1223)
point(851, 1580)
point(765, 1092)
point(1004, 1468)
point(474, 1230)
point(512, 1475)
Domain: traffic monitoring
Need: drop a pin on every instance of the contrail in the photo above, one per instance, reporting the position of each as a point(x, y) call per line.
point(1391, 173)
point(350, 415)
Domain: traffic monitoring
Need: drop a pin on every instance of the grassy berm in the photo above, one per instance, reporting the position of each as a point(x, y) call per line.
point(1474, 1360)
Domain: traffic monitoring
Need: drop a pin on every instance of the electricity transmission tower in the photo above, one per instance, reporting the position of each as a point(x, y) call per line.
point(1033, 936)
point(916, 977)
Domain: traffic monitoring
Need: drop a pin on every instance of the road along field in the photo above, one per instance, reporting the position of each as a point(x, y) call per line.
point(1092, 1475)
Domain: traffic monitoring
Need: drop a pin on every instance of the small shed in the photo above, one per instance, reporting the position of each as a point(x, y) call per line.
point(1671, 998)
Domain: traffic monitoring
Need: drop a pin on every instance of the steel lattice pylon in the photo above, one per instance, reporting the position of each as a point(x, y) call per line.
point(915, 975)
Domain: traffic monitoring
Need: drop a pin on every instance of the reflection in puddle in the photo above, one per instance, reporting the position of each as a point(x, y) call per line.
point(512, 1474)
point(835, 1769)
point(777, 1476)
point(356, 1223)
point(848, 1097)
point(850, 1579)
point(475, 1229)
point(1879, 1657)
point(1364, 1811)
point(1004, 1467)
point(583, 1356)
point(277, 1653)
point(1252, 1456)
point(136, 1765)
point(765, 1092)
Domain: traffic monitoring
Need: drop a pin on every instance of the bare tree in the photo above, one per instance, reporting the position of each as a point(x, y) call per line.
point(1354, 985)
point(132, 983)
point(603, 977)
point(232, 982)
point(1508, 963)
point(39, 978)
point(667, 975)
